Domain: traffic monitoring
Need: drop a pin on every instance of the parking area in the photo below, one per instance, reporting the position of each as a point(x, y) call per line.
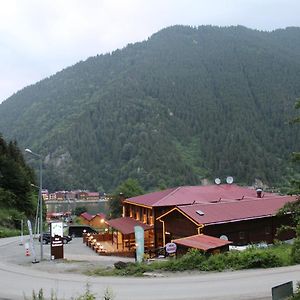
point(77, 256)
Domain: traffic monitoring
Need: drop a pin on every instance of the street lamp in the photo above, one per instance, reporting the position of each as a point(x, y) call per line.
point(40, 198)
point(36, 229)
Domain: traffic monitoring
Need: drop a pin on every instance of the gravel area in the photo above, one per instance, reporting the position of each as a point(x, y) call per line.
point(78, 258)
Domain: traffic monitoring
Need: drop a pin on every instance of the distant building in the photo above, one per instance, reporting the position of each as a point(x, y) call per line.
point(97, 221)
point(92, 196)
point(45, 195)
point(85, 218)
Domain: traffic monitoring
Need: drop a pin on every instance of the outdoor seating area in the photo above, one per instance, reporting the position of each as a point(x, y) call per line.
point(102, 244)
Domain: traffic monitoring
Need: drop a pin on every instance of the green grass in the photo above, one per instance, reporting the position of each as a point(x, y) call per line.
point(8, 232)
point(274, 256)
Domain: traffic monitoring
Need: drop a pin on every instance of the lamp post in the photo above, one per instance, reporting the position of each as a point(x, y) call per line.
point(40, 198)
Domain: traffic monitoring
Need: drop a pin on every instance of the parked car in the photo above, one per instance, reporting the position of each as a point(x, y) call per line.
point(47, 238)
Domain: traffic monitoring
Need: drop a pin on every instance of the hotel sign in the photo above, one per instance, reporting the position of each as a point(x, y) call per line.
point(57, 246)
point(171, 248)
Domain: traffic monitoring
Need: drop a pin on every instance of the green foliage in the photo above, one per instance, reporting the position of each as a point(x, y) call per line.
point(293, 208)
point(129, 188)
point(88, 295)
point(295, 181)
point(11, 218)
point(279, 255)
point(256, 258)
point(15, 182)
point(189, 103)
point(192, 260)
point(7, 232)
point(295, 253)
point(79, 210)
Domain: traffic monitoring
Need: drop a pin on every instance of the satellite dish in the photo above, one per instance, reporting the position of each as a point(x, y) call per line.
point(217, 181)
point(229, 180)
point(223, 237)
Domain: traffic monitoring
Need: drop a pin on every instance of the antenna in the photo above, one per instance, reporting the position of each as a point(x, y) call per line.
point(229, 180)
point(217, 181)
point(223, 237)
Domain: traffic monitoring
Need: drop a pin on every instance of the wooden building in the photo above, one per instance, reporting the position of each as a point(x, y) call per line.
point(202, 242)
point(85, 218)
point(244, 221)
point(123, 233)
point(240, 213)
point(97, 221)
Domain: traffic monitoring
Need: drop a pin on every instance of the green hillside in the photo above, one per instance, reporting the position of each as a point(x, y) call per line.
point(187, 104)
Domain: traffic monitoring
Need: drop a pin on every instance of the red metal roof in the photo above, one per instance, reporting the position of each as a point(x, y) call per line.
point(93, 194)
point(224, 212)
point(126, 224)
point(87, 216)
point(101, 215)
point(194, 194)
point(151, 198)
point(202, 242)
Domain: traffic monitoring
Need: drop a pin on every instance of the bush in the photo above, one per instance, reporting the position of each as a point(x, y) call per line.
point(193, 259)
point(215, 263)
point(295, 253)
point(7, 232)
point(261, 260)
point(196, 260)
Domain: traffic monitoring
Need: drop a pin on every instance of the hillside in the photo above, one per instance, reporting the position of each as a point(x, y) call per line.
point(187, 104)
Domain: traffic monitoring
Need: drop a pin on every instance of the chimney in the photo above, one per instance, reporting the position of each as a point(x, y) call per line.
point(258, 192)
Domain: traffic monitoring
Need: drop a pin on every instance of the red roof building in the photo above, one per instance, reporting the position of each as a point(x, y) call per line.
point(249, 220)
point(194, 194)
point(123, 233)
point(126, 225)
point(227, 209)
point(85, 218)
point(202, 242)
point(97, 221)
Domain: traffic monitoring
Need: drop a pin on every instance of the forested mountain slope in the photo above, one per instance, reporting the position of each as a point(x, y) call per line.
point(187, 104)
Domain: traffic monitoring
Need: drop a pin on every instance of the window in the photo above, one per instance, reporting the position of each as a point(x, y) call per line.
point(241, 235)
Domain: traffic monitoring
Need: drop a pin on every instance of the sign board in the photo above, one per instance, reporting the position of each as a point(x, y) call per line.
point(171, 248)
point(282, 291)
point(139, 243)
point(57, 245)
point(57, 228)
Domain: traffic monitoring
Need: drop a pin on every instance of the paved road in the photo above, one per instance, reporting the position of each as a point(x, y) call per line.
point(19, 276)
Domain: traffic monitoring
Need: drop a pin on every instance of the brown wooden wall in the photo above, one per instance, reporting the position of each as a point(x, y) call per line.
point(178, 226)
point(240, 233)
point(131, 211)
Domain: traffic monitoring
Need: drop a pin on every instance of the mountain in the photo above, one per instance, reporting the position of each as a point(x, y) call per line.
point(187, 104)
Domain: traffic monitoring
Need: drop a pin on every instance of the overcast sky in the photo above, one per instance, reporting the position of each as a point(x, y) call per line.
point(41, 37)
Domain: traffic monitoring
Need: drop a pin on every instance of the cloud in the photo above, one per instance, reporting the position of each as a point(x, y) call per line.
point(39, 38)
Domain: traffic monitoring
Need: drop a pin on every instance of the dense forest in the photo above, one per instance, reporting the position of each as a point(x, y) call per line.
point(17, 198)
point(187, 104)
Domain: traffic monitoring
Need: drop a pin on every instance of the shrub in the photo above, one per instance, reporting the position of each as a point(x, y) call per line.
point(7, 232)
point(216, 262)
point(255, 258)
point(295, 253)
point(193, 259)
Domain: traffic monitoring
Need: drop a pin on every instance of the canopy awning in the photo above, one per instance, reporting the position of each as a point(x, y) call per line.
point(202, 242)
point(126, 224)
